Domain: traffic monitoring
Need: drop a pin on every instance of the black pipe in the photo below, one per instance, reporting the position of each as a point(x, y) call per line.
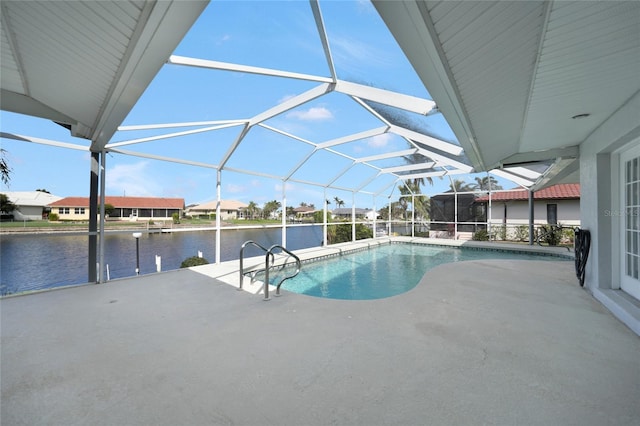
point(582, 241)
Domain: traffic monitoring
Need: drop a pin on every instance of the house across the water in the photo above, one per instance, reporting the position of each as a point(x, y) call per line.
point(229, 209)
point(124, 208)
point(31, 205)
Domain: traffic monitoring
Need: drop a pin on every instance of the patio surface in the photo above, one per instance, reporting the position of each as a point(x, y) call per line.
point(478, 342)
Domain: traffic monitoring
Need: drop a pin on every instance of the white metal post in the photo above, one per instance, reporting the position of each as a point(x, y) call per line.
point(101, 242)
point(218, 212)
point(413, 215)
point(353, 216)
point(283, 234)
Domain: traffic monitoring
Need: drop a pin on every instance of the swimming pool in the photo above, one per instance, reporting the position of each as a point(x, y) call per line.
point(384, 271)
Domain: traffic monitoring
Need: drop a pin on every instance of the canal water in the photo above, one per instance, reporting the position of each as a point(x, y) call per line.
point(32, 262)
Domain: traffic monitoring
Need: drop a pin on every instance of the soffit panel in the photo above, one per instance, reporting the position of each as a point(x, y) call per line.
point(82, 51)
point(590, 63)
point(490, 48)
point(85, 61)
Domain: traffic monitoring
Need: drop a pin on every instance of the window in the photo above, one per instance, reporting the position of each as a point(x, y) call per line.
point(552, 214)
point(63, 210)
point(79, 210)
point(629, 214)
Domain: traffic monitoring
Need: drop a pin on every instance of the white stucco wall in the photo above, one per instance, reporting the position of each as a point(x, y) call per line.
point(600, 188)
point(518, 212)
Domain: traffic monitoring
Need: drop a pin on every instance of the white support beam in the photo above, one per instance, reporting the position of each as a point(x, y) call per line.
point(430, 174)
point(225, 66)
point(442, 160)
point(169, 135)
point(388, 155)
point(289, 135)
point(162, 158)
point(41, 141)
point(353, 137)
point(253, 173)
point(513, 178)
point(340, 174)
point(186, 124)
point(409, 167)
point(235, 145)
point(368, 181)
point(371, 110)
point(291, 103)
point(524, 172)
point(427, 140)
point(386, 97)
point(300, 164)
point(322, 33)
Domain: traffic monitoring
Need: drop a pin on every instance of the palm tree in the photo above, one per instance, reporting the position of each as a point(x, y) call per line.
point(486, 183)
point(251, 209)
point(338, 201)
point(270, 207)
point(5, 170)
point(460, 186)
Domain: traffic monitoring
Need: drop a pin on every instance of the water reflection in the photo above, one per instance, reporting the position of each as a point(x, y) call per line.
point(29, 262)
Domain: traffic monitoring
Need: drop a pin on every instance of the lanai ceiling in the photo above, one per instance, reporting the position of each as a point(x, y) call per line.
point(508, 77)
point(84, 64)
point(521, 82)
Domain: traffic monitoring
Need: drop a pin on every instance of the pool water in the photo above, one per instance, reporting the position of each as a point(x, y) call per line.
point(383, 271)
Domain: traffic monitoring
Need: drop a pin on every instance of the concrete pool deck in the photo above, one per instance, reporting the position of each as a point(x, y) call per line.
point(480, 342)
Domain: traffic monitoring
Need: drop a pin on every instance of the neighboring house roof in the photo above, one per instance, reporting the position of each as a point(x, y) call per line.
point(124, 202)
point(31, 198)
point(565, 191)
point(304, 209)
point(224, 205)
point(348, 211)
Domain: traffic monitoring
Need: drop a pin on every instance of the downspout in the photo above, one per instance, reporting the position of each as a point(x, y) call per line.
point(93, 217)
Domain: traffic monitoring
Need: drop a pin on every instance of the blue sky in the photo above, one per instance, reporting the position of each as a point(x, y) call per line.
point(278, 35)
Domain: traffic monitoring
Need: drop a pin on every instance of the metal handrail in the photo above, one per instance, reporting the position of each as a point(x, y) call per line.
point(242, 258)
point(267, 268)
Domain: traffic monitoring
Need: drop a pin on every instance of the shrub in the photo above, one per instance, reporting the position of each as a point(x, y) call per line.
point(176, 218)
point(193, 261)
point(522, 233)
point(53, 217)
point(550, 234)
point(502, 232)
point(481, 235)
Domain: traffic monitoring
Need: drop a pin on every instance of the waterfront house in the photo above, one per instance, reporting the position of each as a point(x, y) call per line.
point(124, 208)
point(31, 205)
point(556, 204)
point(229, 209)
point(360, 213)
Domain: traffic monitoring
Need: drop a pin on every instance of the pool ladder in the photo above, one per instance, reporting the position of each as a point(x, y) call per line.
point(269, 256)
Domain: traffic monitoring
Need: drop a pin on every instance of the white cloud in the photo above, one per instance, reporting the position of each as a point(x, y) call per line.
point(312, 114)
point(132, 180)
point(379, 141)
point(223, 39)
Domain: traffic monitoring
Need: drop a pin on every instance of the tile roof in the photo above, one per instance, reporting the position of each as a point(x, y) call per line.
point(224, 205)
point(124, 202)
point(565, 191)
point(31, 198)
